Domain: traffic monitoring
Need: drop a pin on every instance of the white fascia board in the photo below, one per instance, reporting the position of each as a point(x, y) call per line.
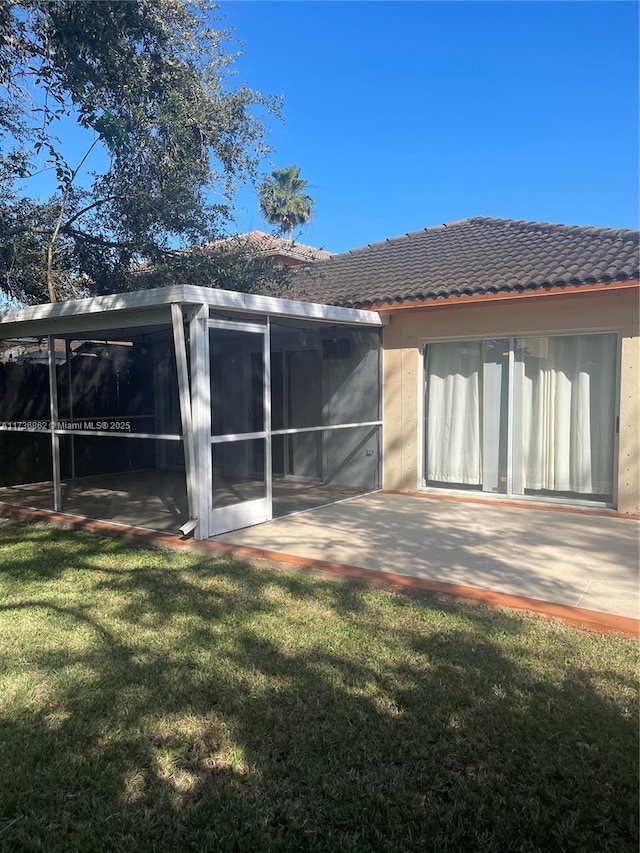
point(53, 315)
point(115, 311)
point(272, 305)
point(80, 324)
point(96, 305)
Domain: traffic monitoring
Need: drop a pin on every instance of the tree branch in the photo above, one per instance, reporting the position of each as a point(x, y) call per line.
point(89, 207)
point(56, 230)
point(99, 241)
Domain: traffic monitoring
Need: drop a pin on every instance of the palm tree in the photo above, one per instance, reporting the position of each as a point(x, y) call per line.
point(283, 202)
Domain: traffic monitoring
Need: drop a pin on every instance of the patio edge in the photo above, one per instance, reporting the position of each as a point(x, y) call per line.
point(580, 617)
point(520, 504)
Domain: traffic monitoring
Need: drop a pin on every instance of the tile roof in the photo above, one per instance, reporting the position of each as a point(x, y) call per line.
point(272, 246)
point(471, 256)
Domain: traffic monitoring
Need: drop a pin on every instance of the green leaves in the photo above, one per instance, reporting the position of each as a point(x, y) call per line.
point(147, 84)
point(283, 202)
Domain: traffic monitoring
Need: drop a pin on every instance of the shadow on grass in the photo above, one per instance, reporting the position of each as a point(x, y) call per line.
point(214, 706)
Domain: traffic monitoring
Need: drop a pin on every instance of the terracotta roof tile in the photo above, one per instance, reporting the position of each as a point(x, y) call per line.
point(269, 244)
point(471, 256)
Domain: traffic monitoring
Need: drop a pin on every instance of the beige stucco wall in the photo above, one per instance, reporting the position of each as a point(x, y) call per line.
point(575, 312)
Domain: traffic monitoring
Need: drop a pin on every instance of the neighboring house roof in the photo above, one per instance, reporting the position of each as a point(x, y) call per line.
point(277, 247)
point(289, 253)
point(471, 256)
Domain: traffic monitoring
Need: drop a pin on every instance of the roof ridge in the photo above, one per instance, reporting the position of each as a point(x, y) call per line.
point(618, 233)
point(624, 233)
point(273, 243)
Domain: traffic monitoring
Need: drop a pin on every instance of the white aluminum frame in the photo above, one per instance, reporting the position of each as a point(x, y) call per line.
point(245, 513)
point(55, 439)
point(147, 307)
point(173, 307)
point(177, 322)
point(201, 415)
point(256, 511)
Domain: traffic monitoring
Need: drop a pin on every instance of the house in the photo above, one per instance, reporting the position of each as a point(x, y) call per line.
point(510, 358)
point(484, 358)
point(286, 252)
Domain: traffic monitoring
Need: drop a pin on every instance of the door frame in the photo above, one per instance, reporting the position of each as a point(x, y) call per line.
point(245, 513)
point(512, 409)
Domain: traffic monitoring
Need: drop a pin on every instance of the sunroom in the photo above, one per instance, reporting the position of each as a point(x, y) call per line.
point(188, 409)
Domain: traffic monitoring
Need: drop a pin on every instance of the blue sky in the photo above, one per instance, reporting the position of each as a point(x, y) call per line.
point(405, 115)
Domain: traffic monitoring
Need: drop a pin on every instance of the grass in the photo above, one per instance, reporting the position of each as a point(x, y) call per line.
point(155, 701)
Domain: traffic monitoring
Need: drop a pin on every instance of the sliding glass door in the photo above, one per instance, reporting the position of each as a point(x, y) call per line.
point(565, 396)
point(466, 408)
point(530, 416)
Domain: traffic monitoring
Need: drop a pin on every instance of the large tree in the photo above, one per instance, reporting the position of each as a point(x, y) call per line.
point(283, 202)
point(161, 140)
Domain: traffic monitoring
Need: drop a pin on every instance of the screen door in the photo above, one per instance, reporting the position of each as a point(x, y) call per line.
point(240, 452)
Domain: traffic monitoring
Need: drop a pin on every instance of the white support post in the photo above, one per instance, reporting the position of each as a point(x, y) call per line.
point(268, 467)
point(72, 445)
point(510, 419)
point(201, 416)
point(55, 439)
point(185, 416)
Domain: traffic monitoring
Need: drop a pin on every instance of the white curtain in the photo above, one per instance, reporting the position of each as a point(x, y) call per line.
point(454, 373)
point(568, 411)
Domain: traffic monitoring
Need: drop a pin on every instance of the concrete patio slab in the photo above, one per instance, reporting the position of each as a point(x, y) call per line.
point(572, 559)
point(579, 568)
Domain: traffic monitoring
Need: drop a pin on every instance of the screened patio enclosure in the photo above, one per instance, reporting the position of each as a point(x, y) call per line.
point(188, 409)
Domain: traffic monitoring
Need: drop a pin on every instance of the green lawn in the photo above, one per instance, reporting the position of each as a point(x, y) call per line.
point(151, 701)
